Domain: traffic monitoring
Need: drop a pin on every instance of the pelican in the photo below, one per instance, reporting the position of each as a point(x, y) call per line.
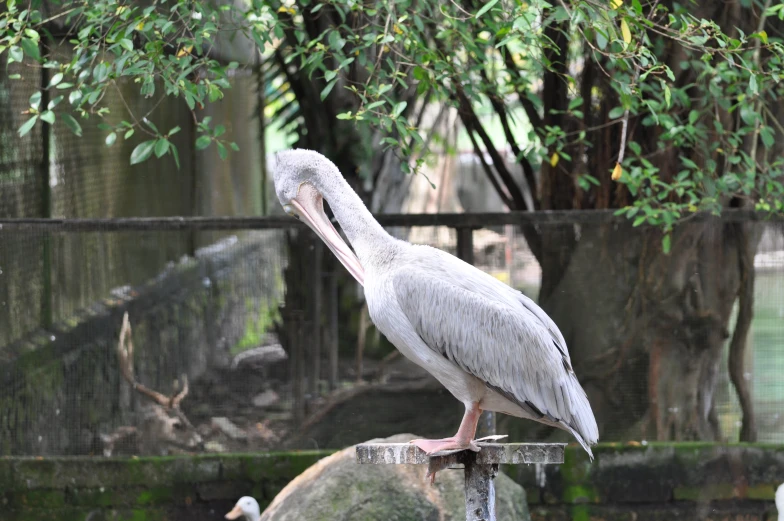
point(780, 501)
point(491, 346)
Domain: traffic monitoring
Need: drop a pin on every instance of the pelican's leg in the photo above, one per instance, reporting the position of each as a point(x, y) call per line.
point(464, 439)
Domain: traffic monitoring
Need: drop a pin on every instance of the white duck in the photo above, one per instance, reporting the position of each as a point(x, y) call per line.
point(246, 506)
point(491, 346)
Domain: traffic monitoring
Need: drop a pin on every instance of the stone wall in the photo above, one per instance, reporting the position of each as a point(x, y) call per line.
point(61, 387)
point(688, 481)
point(657, 481)
point(198, 488)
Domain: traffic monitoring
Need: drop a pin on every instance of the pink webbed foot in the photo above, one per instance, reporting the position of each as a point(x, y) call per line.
point(432, 446)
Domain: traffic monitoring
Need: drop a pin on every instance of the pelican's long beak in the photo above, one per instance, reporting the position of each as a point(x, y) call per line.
point(309, 204)
point(235, 513)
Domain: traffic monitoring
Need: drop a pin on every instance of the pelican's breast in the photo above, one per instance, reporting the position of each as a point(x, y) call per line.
point(389, 318)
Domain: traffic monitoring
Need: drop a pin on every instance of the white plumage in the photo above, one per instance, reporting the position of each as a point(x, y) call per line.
point(491, 346)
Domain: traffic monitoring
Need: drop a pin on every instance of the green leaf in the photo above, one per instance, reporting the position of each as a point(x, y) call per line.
point(161, 147)
point(616, 113)
point(53, 103)
point(489, 5)
point(666, 243)
point(15, 54)
point(328, 89)
point(753, 84)
point(399, 108)
point(35, 100)
point(74, 97)
point(57, 78)
point(31, 48)
point(151, 125)
point(28, 126)
point(767, 136)
point(101, 72)
point(344, 115)
point(203, 142)
point(126, 44)
point(142, 151)
point(222, 152)
point(72, 124)
point(110, 139)
point(176, 156)
point(128, 134)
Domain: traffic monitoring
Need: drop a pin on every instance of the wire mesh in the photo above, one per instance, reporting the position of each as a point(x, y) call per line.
point(215, 314)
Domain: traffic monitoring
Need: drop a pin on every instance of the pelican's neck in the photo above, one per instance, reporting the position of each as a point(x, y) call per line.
point(370, 241)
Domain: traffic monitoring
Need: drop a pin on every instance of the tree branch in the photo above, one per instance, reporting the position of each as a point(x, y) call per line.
point(528, 170)
point(488, 171)
point(528, 106)
point(748, 431)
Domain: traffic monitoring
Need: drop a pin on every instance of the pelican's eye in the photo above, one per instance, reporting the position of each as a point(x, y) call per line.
point(290, 211)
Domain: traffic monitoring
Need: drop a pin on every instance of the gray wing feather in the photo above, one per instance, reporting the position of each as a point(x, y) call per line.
point(516, 350)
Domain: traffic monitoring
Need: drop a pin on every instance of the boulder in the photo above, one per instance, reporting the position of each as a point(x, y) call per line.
point(336, 487)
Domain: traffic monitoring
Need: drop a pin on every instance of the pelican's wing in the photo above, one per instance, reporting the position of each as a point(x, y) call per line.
point(512, 348)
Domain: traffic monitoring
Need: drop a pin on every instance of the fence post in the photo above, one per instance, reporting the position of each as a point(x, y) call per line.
point(297, 368)
point(47, 313)
point(480, 468)
point(332, 298)
point(465, 244)
point(313, 381)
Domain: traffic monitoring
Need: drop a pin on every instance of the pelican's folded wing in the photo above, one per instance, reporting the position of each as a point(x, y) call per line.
point(509, 347)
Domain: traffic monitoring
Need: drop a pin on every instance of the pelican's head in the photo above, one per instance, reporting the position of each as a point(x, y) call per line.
point(301, 177)
point(246, 506)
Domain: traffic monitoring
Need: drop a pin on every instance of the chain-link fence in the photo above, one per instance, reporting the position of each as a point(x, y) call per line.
point(262, 374)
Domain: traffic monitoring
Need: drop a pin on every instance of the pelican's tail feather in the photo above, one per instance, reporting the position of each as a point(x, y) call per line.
point(582, 423)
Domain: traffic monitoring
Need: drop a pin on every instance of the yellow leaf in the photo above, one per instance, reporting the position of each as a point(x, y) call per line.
point(627, 34)
point(617, 171)
point(615, 4)
point(397, 29)
point(140, 26)
point(764, 37)
point(185, 50)
point(554, 159)
point(692, 208)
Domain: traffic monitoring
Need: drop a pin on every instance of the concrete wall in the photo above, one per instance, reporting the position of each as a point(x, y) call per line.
point(60, 387)
point(625, 482)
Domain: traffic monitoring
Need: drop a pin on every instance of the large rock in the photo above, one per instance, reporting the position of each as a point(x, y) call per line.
point(337, 488)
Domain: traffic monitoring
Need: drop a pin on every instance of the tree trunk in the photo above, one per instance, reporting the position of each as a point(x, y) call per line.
point(645, 330)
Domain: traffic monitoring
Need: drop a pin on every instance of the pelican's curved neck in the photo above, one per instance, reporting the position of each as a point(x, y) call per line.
point(368, 238)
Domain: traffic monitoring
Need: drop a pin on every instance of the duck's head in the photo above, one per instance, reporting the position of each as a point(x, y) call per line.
point(246, 506)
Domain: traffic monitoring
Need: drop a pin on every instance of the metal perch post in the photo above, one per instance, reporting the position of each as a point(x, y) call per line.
point(480, 467)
